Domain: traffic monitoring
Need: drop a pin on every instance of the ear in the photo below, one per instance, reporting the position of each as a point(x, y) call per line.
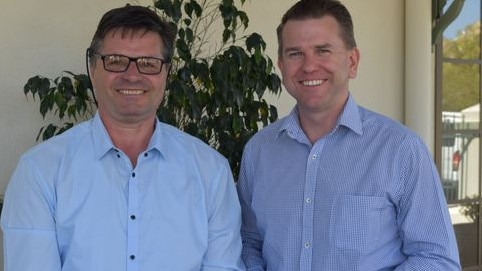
point(354, 58)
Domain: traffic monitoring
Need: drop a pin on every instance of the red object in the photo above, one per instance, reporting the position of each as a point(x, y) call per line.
point(456, 159)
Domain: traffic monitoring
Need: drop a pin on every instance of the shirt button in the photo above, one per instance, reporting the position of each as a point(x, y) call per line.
point(307, 245)
point(146, 154)
point(308, 200)
point(133, 217)
point(314, 156)
point(133, 174)
point(132, 257)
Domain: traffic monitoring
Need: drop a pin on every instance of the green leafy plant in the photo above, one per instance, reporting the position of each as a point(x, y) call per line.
point(471, 207)
point(216, 87)
point(68, 97)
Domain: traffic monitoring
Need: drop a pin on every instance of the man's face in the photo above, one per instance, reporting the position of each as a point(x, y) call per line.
point(315, 64)
point(129, 97)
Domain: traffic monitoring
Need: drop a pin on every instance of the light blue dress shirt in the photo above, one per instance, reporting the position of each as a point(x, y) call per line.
point(365, 197)
point(75, 203)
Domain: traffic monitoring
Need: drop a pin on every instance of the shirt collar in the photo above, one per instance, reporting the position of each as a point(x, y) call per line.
point(156, 139)
point(291, 125)
point(100, 138)
point(350, 118)
point(103, 143)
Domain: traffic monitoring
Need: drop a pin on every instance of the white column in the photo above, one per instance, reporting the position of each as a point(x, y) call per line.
point(419, 71)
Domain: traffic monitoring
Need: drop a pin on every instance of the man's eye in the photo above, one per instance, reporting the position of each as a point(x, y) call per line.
point(323, 51)
point(147, 62)
point(114, 59)
point(294, 54)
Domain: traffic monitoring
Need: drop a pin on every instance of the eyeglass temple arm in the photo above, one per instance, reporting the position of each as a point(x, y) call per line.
point(91, 87)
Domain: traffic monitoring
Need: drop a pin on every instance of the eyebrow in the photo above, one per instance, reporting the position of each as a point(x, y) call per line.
point(291, 49)
point(317, 47)
point(324, 46)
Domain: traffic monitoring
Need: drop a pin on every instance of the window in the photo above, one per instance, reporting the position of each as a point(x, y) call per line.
point(458, 130)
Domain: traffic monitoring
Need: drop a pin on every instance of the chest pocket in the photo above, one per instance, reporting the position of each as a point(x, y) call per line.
point(355, 222)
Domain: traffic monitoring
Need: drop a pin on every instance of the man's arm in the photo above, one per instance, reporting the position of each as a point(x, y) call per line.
point(27, 222)
point(424, 221)
point(224, 248)
point(252, 241)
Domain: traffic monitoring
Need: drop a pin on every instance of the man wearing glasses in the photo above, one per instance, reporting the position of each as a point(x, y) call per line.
point(123, 191)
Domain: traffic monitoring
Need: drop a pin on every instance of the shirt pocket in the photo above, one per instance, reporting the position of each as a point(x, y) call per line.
point(355, 222)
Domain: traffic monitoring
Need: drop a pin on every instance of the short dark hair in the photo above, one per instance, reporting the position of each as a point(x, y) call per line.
point(313, 9)
point(135, 18)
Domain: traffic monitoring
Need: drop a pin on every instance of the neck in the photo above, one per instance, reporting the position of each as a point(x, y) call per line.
point(131, 138)
point(317, 124)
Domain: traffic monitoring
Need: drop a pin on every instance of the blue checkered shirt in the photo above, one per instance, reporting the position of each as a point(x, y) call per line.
point(365, 197)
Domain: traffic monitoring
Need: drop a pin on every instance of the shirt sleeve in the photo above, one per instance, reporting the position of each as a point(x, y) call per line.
point(252, 240)
point(425, 226)
point(224, 248)
point(28, 223)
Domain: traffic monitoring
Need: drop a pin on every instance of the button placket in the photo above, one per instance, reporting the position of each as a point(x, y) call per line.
point(133, 222)
point(312, 164)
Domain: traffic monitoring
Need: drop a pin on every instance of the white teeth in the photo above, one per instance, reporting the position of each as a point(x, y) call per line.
point(131, 91)
point(312, 82)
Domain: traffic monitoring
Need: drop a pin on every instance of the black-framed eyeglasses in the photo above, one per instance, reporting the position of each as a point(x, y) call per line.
point(120, 63)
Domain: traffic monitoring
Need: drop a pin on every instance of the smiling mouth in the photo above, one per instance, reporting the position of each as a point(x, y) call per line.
point(131, 91)
point(312, 82)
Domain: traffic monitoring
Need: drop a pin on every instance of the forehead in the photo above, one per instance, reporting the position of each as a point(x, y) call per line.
point(132, 39)
point(314, 30)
